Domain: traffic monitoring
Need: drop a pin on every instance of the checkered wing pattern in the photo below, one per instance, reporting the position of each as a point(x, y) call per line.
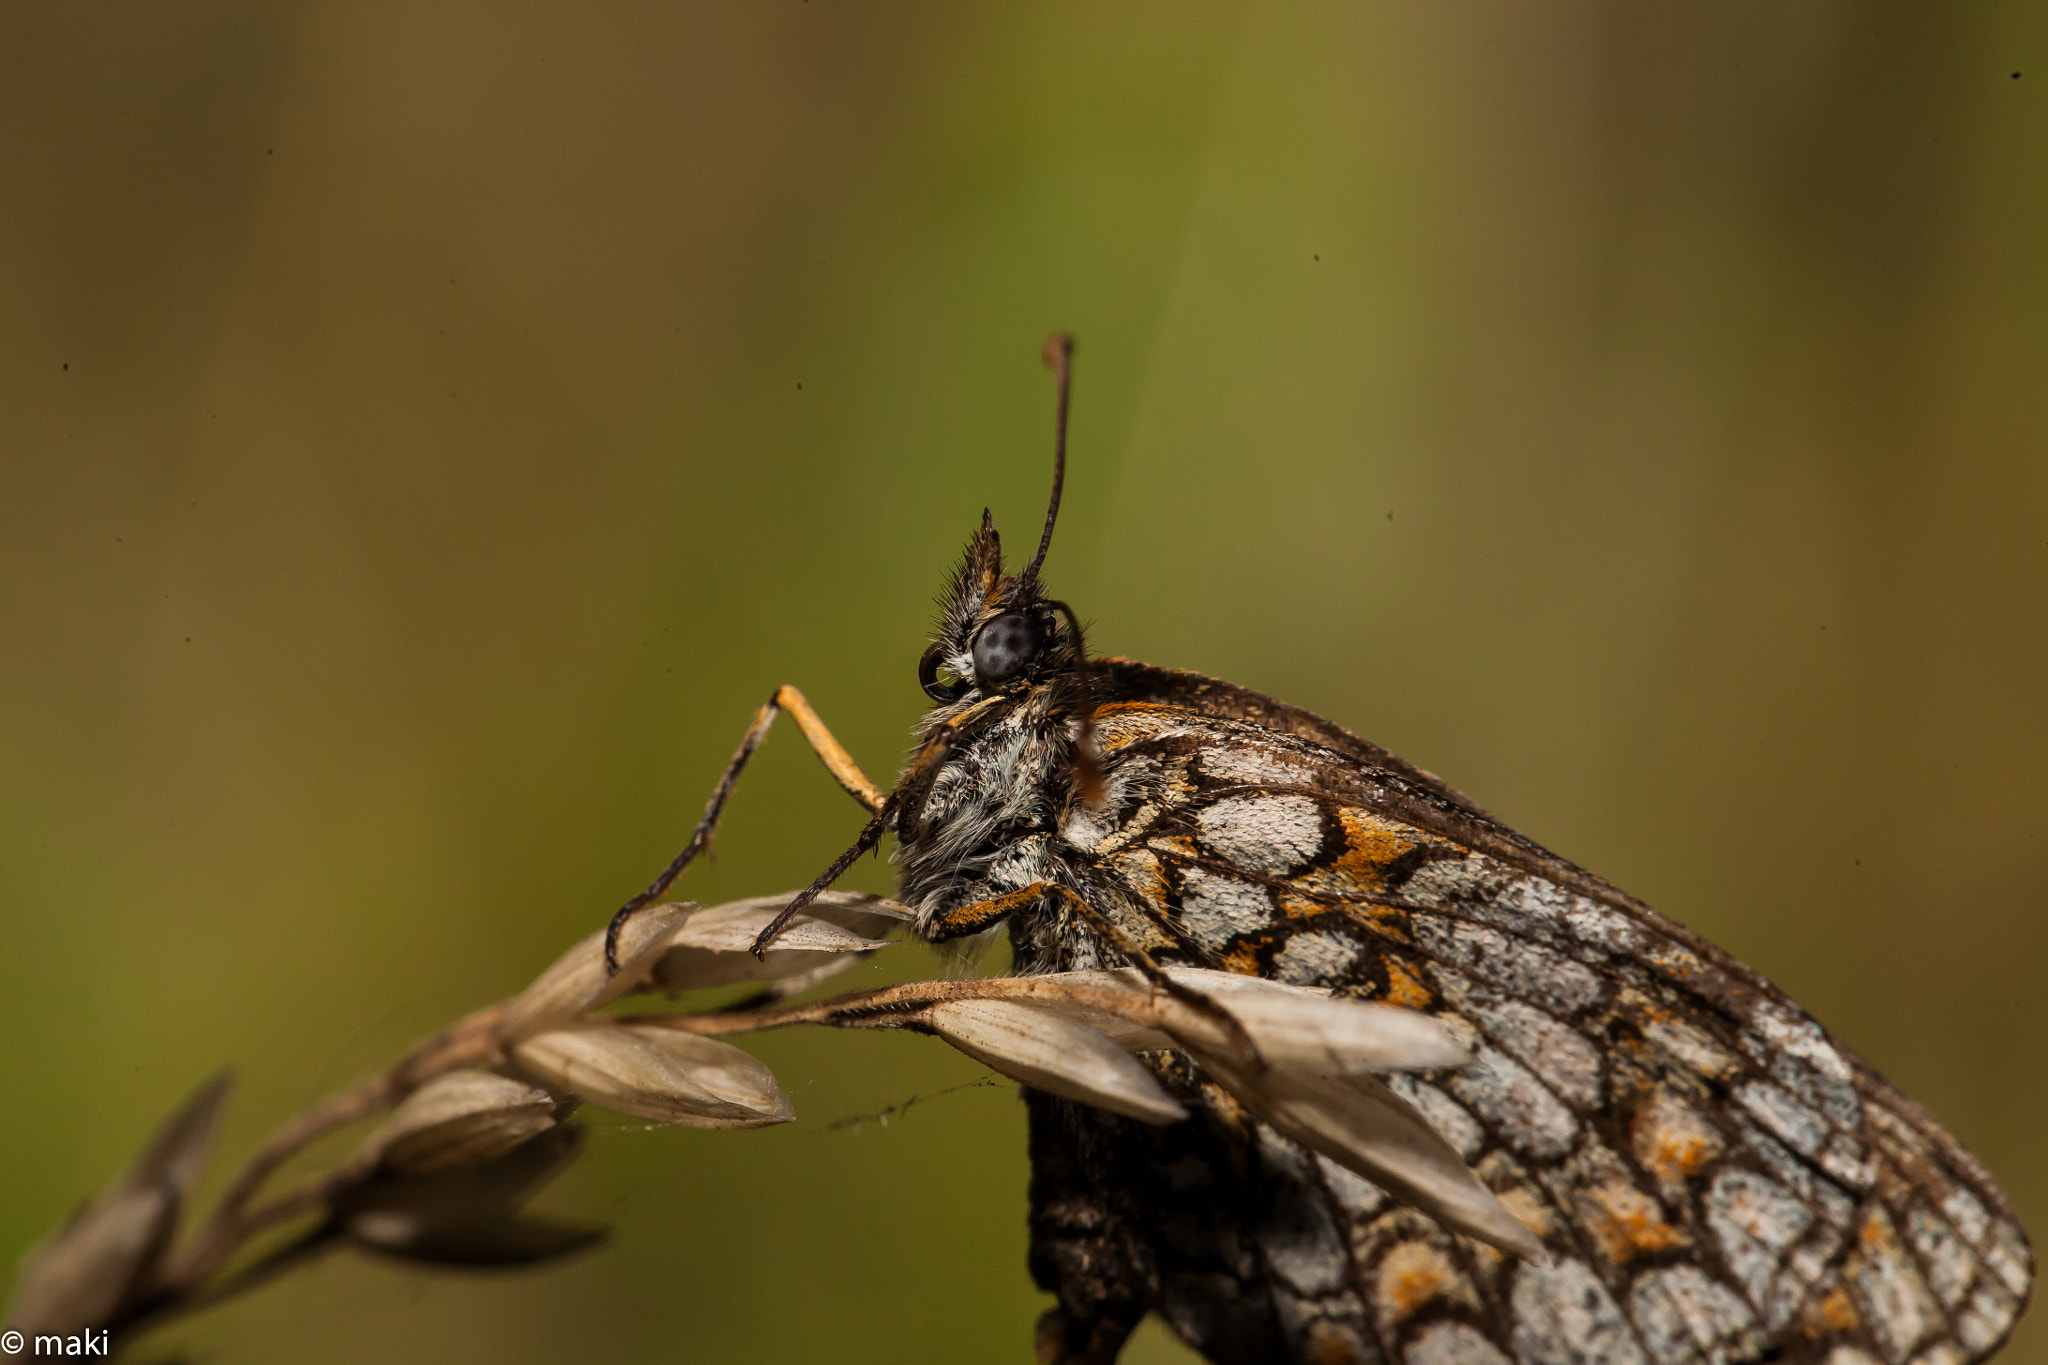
point(1715, 1177)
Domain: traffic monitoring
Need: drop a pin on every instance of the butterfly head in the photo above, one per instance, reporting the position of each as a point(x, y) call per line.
point(999, 632)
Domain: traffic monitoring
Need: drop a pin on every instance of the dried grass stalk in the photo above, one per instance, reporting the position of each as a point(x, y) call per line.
point(475, 1123)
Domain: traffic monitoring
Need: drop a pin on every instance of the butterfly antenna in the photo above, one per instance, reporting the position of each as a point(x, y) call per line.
point(1058, 353)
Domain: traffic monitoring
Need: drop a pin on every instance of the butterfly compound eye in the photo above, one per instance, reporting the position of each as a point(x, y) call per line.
point(1004, 646)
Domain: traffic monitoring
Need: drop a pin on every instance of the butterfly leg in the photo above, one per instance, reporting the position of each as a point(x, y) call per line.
point(973, 919)
point(888, 813)
point(981, 915)
point(833, 754)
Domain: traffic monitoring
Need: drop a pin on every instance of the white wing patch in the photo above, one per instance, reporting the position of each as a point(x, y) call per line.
point(1217, 909)
point(1452, 1343)
point(1756, 1220)
point(1686, 1317)
point(1565, 1316)
point(1272, 835)
point(1314, 956)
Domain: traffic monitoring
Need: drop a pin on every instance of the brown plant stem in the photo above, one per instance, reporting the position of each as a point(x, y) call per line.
point(471, 1039)
point(889, 1006)
point(315, 1241)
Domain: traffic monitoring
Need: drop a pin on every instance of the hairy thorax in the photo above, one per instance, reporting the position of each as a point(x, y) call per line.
point(990, 823)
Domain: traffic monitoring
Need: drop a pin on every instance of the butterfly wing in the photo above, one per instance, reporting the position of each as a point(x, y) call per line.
point(1715, 1178)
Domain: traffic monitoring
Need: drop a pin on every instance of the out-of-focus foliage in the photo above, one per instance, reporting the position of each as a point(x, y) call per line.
point(427, 431)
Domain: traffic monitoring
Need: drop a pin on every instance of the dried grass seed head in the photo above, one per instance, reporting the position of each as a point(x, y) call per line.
point(1311, 1081)
point(655, 1073)
point(1363, 1126)
point(715, 947)
point(1308, 1028)
point(110, 1252)
point(1126, 1033)
point(468, 1214)
point(460, 1118)
point(1301, 1027)
point(1053, 1053)
point(860, 912)
point(81, 1277)
point(520, 1240)
point(579, 981)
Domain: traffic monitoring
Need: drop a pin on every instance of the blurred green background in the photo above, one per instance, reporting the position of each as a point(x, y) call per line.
point(426, 431)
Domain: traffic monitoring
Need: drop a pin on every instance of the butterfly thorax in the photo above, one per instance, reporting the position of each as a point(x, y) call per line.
point(988, 823)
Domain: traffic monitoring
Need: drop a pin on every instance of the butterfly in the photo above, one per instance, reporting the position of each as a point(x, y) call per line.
point(1711, 1176)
